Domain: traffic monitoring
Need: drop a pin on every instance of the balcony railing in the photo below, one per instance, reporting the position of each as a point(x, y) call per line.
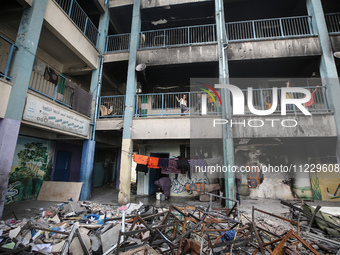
point(117, 42)
point(206, 34)
point(333, 22)
point(166, 104)
point(7, 50)
point(57, 92)
point(80, 18)
point(111, 106)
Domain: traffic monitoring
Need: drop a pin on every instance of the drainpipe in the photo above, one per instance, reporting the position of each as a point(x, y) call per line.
point(228, 145)
point(99, 85)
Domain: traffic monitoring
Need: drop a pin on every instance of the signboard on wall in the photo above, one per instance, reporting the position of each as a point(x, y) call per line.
point(47, 114)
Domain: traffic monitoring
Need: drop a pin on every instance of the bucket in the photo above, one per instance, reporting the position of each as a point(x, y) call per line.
point(158, 195)
point(162, 197)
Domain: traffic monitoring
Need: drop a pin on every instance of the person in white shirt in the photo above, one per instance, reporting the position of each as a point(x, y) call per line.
point(183, 104)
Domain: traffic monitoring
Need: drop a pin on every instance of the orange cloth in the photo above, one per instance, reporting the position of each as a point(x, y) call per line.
point(140, 159)
point(153, 162)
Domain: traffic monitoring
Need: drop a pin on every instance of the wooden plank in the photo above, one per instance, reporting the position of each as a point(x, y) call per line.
point(60, 191)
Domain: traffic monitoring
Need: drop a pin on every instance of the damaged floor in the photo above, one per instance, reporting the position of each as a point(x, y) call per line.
point(177, 226)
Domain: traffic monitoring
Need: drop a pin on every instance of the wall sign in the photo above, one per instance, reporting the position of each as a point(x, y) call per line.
point(44, 113)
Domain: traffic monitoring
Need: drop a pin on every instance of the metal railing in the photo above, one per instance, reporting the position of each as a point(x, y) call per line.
point(333, 22)
point(80, 18)
point(57, 92)
point(111, 106)
point(117, 42)
point(178, 36)
point(166, 104)
point(262, 100)
point(269, 28)
point(205, 34)
point(7, 50)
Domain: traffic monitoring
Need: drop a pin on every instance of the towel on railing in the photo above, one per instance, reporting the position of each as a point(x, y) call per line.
point(82, 101)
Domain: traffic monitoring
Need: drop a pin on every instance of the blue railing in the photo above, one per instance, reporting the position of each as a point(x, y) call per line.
point(117, 42)
point(333, 22)
point(199, 103)
point(206, 34)
point(7, 50)
point(80, 18)
point(111, 106)
point(57, 92)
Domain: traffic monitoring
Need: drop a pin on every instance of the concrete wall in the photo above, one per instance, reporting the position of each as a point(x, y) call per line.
point(259, 49)
point(61, 26)
point(5, 88)
point(317, 125)
point(280, 48)
point(109, 124)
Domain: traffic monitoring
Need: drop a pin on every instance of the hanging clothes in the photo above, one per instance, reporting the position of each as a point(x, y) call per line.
point(140, 159)
point(196, 165)
point(172, 167)
point(163, 162)
point(153, 162)
point(183, 165)
point(142, 168)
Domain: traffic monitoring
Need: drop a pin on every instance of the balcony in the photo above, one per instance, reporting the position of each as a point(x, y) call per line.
point(80, 19)
point(62, 91)
point(7, 50)
point(290, 27)
point(202, 104)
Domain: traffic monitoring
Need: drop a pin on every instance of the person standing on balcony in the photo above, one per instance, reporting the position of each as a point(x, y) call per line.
point(183, 104)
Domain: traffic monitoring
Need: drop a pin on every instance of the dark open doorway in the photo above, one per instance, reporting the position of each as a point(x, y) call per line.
point(155, 174)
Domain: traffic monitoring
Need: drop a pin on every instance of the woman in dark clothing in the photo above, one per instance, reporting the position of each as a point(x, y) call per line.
point(164, 183)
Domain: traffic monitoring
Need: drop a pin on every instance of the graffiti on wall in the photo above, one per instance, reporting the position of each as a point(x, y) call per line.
point(326, 185)
point(32, 164)
point(178, 184)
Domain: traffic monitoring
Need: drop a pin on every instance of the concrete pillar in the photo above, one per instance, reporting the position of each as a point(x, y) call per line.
point(228, 144)
point(131, 85)
point(328, 72)
point(27, 40)
point(86, 167)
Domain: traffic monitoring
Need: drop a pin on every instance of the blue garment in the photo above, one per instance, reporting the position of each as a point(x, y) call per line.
point(228, 235)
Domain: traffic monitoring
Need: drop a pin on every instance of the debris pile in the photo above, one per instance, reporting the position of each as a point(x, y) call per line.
point(88, 228)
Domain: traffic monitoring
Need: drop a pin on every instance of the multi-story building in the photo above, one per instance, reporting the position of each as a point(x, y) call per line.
point(86, 84)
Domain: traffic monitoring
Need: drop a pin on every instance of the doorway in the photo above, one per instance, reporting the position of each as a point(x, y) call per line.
point(155, 173)
point(62, 166)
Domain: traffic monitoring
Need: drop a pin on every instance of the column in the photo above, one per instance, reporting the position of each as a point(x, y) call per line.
point(228, 144)
point(328, 72)
point(131, 85)
point(27, 40)
point(87, 158)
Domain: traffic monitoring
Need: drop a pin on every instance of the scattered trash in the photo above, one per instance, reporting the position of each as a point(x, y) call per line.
point(90, 228)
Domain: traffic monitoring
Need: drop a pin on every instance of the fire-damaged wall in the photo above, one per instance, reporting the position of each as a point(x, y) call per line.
point(289, 168)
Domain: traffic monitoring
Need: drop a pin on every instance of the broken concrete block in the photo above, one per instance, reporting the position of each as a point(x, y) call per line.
point(14, 232)
point(110, 237)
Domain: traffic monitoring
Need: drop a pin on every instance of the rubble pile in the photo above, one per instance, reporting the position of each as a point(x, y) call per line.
point(89, 228)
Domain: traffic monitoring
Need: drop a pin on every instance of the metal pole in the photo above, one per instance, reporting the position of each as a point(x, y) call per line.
point(228, 146)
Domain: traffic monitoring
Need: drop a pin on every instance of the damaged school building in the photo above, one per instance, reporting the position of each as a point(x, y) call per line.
point(86, 84)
